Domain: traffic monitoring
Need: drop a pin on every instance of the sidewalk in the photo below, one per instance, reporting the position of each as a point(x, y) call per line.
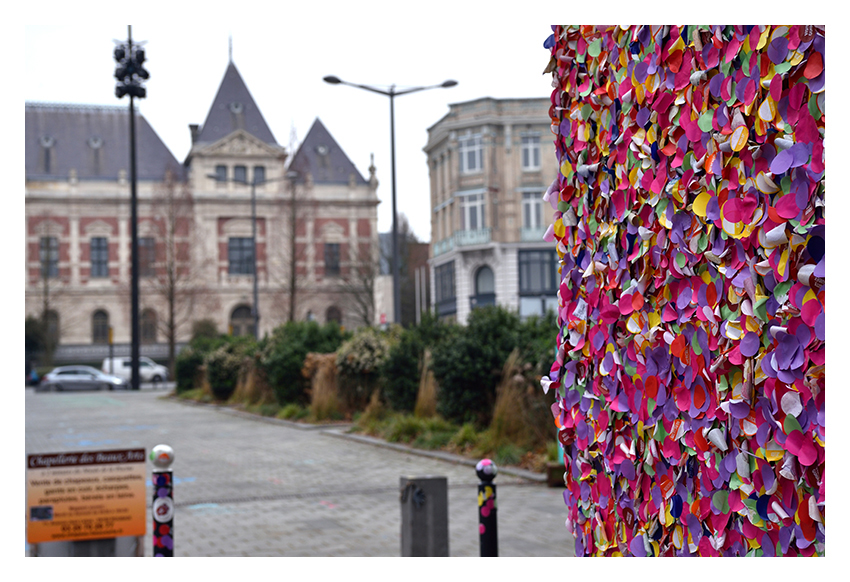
point(254, 486)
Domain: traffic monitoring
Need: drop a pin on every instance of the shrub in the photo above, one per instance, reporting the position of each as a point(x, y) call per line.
point(404, 428)
point(465, 437)
point(204, 328)
point(282, 357)
point(467, 364)
point(426, 398)
point(401, 371)
point(358, 363)
point(320, 369)
point(537, 339)
point(225, 363)
point(186, 366)
point(293, 412)
point(223, 371)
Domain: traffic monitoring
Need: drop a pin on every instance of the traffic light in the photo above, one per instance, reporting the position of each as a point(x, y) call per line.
point(129, 71)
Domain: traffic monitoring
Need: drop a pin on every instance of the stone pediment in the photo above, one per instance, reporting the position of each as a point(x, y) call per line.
point(239, 143)
point(238, 227)
point(332, 232)
point(98, 228)
point(48, 228)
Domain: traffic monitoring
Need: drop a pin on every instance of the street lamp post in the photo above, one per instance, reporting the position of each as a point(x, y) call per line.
point(130, 74)
point(255, 307)
point(392, 93)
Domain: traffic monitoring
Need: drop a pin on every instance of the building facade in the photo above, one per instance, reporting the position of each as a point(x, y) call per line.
point(316, 226)
point(489, 169)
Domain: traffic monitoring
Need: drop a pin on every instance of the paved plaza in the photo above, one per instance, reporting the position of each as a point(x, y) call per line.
point(249, 487)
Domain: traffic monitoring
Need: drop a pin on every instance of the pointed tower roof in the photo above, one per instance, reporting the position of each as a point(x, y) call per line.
point(321, 155)
point(233, 108)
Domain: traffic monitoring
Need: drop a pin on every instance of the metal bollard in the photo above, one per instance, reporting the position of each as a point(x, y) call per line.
point(424, 516)
point(487, 530)
point(163, 501)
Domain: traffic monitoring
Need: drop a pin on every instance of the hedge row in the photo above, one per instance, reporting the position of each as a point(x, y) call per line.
point(467, 361)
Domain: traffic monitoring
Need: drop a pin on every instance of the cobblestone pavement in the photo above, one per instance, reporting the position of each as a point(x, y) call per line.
point(245, 487)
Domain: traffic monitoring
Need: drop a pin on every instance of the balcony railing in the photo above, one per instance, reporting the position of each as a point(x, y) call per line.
point(462, 238)
point(443, 246)
point(532, 234)
point(472, 237)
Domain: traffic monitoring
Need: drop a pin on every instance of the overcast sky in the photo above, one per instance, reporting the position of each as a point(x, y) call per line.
point(283, 60)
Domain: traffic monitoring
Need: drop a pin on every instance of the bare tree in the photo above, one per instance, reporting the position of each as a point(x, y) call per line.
point(50, 287)
point(406, 241)
point(176, 278)
point(358, 285)
point(297, 206)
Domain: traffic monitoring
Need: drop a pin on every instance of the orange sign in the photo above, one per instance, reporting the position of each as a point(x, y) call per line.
point(86, 495)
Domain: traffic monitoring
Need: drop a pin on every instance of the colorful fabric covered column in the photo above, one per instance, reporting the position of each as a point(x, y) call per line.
point(690, 225)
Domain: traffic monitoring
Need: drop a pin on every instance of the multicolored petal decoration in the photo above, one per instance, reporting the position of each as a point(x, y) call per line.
point(690, 371)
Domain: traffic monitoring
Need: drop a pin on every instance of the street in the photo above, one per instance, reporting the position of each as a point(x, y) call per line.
point(248, 487)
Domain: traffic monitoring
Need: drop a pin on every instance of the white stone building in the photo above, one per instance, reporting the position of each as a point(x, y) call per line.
point(78, 225)
point(490, 166)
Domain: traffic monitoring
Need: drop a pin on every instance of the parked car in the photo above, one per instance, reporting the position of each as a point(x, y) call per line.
point(149, 371)
point(79, 378)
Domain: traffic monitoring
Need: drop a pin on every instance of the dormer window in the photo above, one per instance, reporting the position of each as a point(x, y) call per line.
point(236, 107)
point(47, 142)
point(95, 143)
point(324, 162)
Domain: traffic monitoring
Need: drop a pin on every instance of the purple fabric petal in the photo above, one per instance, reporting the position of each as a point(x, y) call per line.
point(767, 365)
point(803, 335)
point(739, 410)
point(778, 49)
point(800, 153)
point(816, 84)
point(750, 344)
point(786, 350)
point(781, 162)
point(820, 326)
point(636, 547)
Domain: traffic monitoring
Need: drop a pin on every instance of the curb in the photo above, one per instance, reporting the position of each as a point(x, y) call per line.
point(336, 430)
point(439, 455)
point(250, 415)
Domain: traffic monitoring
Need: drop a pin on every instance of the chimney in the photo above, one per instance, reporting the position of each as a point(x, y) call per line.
point(193, 129)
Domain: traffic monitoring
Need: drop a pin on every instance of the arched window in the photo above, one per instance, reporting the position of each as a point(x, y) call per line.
point(148, 325)
point(484, 281)
point(242, 321)
point(100, 327)
point(485, 288)
point(333, 314)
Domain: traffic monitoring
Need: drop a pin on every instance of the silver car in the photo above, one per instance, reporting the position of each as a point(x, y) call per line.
point(79, 378)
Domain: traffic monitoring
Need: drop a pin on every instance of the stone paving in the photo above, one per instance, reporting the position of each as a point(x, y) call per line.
point(248, 487)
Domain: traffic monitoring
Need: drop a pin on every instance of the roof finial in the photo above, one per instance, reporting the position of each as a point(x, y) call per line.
point(230, 48)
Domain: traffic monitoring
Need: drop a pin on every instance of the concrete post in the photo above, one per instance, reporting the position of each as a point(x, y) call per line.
point(424, 516)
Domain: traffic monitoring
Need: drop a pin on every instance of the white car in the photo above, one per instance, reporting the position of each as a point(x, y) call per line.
point(149, 371)
point(78, 378)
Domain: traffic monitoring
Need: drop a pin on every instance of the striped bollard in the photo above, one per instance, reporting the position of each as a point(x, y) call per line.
point(488, 534)
point(163, 501)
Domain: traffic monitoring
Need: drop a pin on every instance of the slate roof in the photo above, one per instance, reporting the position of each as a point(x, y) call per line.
point(321, 155)
point(95, 140)
point(233, 108)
